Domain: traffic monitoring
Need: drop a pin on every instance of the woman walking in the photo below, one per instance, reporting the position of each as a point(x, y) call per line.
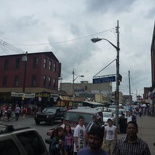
point(68, 140)
point(56, 147)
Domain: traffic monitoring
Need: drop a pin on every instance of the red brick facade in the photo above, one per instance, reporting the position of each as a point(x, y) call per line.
point(41, 74)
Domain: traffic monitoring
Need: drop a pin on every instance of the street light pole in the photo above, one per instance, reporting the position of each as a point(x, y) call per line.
point(24, 59)
point(94, 40)
point(73, 85)
point(117, 74)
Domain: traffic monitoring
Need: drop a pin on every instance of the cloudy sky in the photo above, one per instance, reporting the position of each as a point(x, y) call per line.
point(66, 28)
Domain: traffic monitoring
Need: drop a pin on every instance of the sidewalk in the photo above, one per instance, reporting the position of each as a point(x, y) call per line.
point(146, 126)
point(147, 131)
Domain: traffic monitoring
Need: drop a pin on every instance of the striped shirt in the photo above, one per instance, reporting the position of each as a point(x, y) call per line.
point(139, 147)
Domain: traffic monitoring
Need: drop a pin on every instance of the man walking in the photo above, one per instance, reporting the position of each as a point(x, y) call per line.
point(95, 140)
point(131, 144)
point(110, 136)
point(79, 140)
point(17, 112)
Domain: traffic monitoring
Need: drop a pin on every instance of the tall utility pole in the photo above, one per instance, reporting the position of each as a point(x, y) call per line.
point(129, 90)
point(73, 84)
point(117, 74)
point(74, 78)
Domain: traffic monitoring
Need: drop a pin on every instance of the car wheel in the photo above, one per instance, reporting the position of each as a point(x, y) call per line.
point(52, 121)
point(37, 122)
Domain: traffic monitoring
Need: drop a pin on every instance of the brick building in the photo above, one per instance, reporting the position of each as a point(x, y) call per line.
point(29, 73)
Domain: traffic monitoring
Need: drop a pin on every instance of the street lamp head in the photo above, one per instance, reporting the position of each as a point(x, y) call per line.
point(81, 75)
point(94, 40)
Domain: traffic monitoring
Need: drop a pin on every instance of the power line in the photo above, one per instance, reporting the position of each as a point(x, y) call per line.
point(65, 41)
point(5, 46)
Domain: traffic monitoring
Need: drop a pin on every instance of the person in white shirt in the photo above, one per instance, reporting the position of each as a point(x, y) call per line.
point(17, 112)
point(110, 136)
point(79, 140)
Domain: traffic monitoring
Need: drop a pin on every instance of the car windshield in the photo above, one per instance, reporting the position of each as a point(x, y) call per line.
point(73, 117)
point(107, 115)
point(120, 111)
point(49, 110)
point(112, 106)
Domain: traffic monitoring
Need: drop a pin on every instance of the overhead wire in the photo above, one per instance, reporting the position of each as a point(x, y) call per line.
point(4, 49)
point(65, 41)
point(5, 45)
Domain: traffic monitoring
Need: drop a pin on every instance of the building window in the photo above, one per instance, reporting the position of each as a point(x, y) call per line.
point(49, 81)
point(45, 62)
point(34, 80)
point(6, 64)
point(35, 61)
point(16, 81)
point(54, 67)
point(17, 63)
point(5, 81)
point(44, 80)
point(54, 83)
point(50, 65)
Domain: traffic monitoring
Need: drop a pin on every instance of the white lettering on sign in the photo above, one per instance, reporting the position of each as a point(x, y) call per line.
point(13, 94)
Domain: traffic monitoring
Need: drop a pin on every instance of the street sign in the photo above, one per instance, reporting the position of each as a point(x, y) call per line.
point(104, 79)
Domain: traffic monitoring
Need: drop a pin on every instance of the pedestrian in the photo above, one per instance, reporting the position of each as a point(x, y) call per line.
point(56, 146)
point(17, 112)
point(1, 112)
point(68, 140)
point(95, 140)
point(140, 112)
point(110, 136)
point(34, 109)
point(24, 111)
point(131, 144)
point(79, 140)
point(9, 113)
point(96, 119)
point(4, 112)
point(132, 117)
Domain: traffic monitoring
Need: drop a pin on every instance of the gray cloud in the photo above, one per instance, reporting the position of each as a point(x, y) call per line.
point(113, 6)
point(62, 27)
point(150, 13)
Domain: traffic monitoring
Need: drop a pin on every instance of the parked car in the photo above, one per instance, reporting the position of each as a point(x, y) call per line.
point(49, 115)
point(107, 115)
point(21, 141)
point(71, 117)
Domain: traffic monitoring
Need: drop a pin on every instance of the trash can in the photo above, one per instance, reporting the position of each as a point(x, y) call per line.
point(122, 125)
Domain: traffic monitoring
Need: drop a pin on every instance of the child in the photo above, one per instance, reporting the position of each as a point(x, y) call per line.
point(79, 140)
point(56, 147)
point(68, 140)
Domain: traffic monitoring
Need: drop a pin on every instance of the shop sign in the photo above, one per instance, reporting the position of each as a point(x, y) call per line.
point(13, 94)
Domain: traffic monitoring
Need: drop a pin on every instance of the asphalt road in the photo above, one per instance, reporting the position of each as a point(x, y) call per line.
point(29, 121)
point(146, 129)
